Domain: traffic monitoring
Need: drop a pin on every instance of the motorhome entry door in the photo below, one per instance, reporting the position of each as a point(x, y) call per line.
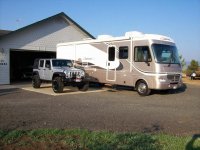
point(111, 70)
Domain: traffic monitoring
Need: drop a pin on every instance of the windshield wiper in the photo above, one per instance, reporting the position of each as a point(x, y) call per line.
point(170, 60)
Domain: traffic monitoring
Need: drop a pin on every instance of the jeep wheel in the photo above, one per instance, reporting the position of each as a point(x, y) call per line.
point(36, 82)
point(57, 85)
point(83, 86)
point(142, 88)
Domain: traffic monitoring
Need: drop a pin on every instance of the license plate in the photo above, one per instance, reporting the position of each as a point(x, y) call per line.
point(77, 80)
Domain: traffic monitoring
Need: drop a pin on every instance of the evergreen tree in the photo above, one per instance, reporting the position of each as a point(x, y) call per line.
point(192, 67)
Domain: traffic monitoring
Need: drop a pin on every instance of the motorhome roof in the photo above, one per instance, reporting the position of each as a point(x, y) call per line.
point(135, 35)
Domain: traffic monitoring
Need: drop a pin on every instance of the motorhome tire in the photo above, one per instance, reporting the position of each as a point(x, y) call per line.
point(83, 86)
point(142, 88)
point(57, 85)
point(36, 82)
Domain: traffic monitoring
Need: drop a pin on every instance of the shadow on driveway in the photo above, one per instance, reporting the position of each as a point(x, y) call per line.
point(171, 91)
point(9, 91)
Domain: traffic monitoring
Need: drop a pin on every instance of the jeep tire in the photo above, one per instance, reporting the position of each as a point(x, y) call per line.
point(36, 82)
point(83, 86)
point(57, 85)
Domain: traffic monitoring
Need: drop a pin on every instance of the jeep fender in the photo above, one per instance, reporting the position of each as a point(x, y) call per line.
point(58, 74)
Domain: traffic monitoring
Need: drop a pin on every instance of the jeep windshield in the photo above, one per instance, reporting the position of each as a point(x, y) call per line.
point(62, 63)
point(165, 54)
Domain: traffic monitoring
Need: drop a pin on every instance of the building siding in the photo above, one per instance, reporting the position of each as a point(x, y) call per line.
point(45, 35)
point(4, 66)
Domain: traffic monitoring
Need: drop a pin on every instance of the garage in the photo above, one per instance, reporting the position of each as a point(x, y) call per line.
point(19, 48)
point(21, 62)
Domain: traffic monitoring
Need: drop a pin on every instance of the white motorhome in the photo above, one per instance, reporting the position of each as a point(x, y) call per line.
point(144, 61)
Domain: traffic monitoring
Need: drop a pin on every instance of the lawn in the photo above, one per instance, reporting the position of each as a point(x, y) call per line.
point(93, 140)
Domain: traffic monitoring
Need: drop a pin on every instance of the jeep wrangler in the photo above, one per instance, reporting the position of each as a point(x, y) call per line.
point(60, 72)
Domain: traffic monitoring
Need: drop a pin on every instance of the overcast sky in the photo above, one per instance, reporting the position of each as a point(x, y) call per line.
point(179, 19)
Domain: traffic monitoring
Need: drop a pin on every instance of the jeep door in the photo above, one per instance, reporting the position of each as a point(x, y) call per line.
point(41, 69)
point(48, 70)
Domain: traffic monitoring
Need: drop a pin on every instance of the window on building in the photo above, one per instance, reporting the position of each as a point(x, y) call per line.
point(123, 52)
point(111, 53)
point(41, 63)
point(142, 54)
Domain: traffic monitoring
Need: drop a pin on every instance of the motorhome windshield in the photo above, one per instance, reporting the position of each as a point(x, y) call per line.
point(62, 63)
point(166, 54)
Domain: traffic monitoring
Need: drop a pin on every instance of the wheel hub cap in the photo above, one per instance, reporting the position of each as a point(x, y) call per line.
point(142, 88)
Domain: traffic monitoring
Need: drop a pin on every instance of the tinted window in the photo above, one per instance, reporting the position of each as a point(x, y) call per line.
point(142, 54)
point(111, 53)
point(48, 65)
point(123, 52)
point(62, 63)
point(41, 63)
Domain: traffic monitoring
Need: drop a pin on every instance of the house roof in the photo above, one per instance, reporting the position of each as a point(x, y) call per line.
point(62, 14)
point(4, 32)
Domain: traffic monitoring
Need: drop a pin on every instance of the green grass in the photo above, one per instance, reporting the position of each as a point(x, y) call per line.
point(94, 140)
point(169, 142)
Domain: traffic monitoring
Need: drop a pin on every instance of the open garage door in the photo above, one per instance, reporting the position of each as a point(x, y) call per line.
point(21, 63)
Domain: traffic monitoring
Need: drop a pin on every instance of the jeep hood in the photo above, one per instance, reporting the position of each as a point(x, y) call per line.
point(62, 69)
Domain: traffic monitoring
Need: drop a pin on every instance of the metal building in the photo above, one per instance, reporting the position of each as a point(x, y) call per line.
point(19, 48)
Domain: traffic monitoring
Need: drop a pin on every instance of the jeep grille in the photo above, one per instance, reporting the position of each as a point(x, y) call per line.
point(74, 74)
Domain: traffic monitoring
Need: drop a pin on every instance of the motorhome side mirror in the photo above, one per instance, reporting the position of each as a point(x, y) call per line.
point(145, 57)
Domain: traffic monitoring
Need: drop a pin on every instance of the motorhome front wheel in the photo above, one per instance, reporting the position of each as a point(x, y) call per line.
point(142, 88)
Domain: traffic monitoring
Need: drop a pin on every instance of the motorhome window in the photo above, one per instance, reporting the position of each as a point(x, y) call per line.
point(165, 53)
point(48, 64)
point(111, 53)
point(123, 52)
point(41, 63)
point(142, 54)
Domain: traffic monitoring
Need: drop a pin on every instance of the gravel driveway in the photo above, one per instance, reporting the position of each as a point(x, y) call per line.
point(115, 110)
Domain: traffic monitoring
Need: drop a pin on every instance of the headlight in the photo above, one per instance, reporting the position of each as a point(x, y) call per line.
point(66, 72)
point(162, 80)
point(82, 73)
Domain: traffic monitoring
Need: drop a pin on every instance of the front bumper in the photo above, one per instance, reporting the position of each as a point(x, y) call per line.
point(169, 82)
point(165, 86)
point(70, 80)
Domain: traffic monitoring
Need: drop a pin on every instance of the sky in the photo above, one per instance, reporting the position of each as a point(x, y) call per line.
point(178, 19)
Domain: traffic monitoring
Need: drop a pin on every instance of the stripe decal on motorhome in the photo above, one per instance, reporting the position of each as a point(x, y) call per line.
point(91, 65)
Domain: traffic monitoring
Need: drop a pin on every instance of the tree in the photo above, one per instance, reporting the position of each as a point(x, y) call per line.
point(194, 65)
point(182, 60)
